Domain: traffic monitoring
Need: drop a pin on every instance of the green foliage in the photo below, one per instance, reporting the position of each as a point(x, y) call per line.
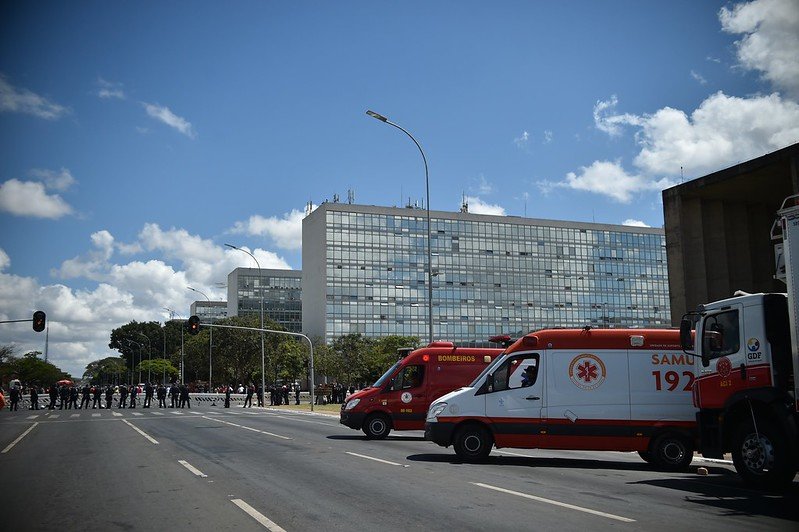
point(29, 369)
point(106, 370)
point(159, 369)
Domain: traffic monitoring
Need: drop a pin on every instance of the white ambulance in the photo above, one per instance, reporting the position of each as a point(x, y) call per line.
point(588, 389)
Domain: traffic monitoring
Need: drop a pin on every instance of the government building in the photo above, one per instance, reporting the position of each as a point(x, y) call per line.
point(365, 271)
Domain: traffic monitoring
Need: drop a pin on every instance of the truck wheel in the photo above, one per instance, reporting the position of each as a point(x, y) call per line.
point(472, 443)
point(671, 452)
point(646, 456)
point(766, 463)
point(376, 427)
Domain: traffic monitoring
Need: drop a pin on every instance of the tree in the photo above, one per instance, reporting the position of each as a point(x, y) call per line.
point(159, 368)
point(30, 369)
point(106, 371)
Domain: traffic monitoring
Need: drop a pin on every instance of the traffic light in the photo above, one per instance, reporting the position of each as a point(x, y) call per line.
point(193, 325)
point(39, 320)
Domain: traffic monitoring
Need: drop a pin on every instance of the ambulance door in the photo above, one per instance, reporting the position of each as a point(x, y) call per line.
point(406, 397)
point(587, 400)
point(514, 399)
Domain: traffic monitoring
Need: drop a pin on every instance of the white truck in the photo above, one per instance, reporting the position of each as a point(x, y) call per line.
point(589, 389)
point(746, 360)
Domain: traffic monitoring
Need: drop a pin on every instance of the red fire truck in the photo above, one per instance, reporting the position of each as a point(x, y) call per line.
point(399, 399)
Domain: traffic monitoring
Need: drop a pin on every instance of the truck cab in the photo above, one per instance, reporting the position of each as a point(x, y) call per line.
point(399, 399)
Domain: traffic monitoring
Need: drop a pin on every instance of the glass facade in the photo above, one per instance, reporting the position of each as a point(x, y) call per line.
point(209, 311)
point(492, 275)
point(281, 291)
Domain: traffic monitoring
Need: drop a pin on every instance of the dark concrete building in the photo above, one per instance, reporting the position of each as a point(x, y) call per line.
point(718, 226)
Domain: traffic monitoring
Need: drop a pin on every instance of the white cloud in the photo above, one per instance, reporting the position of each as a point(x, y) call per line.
point(478, 206)
point(523, 140)
point(547, 136)
point(286, 232)
point(634, 223)
point(28, 198)
point(110, 90)
point(770, 42)
point(610, 178)
point(698, 77)
point(606, 120)
point(163, 114)
point(24, 101)
point(5, 260)
point(721, 132)
point(59, 180)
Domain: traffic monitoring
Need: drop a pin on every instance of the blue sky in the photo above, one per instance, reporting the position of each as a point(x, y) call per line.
point(139, 137)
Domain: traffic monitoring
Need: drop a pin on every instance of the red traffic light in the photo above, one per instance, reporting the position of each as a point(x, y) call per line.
point(39, 321)
point(193, 325)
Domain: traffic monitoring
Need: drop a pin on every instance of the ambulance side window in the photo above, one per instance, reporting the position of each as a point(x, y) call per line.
point(517, 372)
point(721, 334)
point(409, 377)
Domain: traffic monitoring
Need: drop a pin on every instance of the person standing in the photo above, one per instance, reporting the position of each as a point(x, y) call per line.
point(161, 394)
point(97, 394)
point(173, 394)
point(228, 389)
point(53, 397)
point(14, 396)
point(259, 393)
point(34, 398)
point(73, 397)
point(184, 396)
point(248, 399)
point(134, 390)
point(63, 395)
point(84, 397)
point(148, 394)
point(296, 394)
point(109, 396)
point(123, 396)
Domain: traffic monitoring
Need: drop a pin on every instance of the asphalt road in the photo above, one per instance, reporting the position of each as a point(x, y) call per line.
point(211, 468)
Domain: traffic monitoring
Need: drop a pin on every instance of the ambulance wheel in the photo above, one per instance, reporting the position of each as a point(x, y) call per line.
point(671, 452)
point(472, 443)
point(764, 464)
point(376, 427)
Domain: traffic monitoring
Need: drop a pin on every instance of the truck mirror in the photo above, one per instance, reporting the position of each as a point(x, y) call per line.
point(490, 382)
point(686, 334)
point(705, 360)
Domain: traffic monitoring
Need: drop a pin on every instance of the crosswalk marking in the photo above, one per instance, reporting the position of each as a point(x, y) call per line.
point(95, 415)
point(33, 417)
point(137, 413)
point(74, 415)
point(158, 413)
point(116, 414)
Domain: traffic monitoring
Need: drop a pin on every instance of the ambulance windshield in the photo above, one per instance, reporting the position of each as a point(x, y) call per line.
point(488, 369)
point(387, 375)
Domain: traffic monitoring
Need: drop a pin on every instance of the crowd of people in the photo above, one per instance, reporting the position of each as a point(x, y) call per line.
point(67, 397)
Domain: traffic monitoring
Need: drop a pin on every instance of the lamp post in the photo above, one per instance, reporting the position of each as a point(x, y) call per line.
point(149, 355)
point(210, 341)
point(429, 251)
point(182, 329)
point(261, 287)
point(133, 357)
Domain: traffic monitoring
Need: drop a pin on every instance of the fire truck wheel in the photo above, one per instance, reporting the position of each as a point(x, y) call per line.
point(472, 443)
point(671, 452)
point(377, 427)
point(766, 463)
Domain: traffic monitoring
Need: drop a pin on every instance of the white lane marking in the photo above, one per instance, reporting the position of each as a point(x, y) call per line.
point(137, 414)
point(74, 415)
point(13, 443)
point(258, 516)
point(158, 413)
point(511, 454)
point(556, 503)
point(140, 431)
point(376, 459)
point(54, 416)
point(193, 469)
point(291, 418)
point(33, 417)
point(116, 414)
point(95, 415)
point(176, 413)
point(248, 428)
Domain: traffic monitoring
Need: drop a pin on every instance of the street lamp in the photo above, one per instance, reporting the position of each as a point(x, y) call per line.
point(429, 251)
point(210, 340)
point(261, 286)
point(172, 313)
point(149, 355)
point(133, 357)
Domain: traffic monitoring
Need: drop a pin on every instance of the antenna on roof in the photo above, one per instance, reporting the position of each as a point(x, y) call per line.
point(350, 196)
point(464, 203)
point(335, 198)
